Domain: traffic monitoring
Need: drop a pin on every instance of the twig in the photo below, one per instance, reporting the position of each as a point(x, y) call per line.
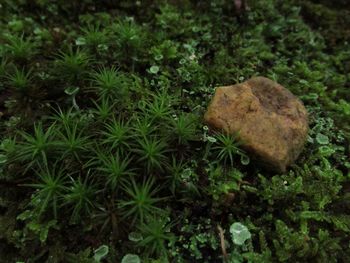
point(222, 242)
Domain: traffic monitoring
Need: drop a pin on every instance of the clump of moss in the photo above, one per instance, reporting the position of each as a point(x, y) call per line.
point(330, 19)
point(104, 154)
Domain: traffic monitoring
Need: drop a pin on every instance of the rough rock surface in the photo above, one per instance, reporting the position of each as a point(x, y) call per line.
point(270, 120)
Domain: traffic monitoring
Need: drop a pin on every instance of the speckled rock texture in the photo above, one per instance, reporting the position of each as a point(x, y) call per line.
point(269, 119)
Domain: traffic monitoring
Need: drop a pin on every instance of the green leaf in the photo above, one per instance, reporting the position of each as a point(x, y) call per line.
point(322, 139)
point(135, 236)
point(239, 233)
point(41, 228)
point(158, 57)
point(45, 230)
point(101, 252)
point(3, 158)
point(131, 258)
point(245, 160)
point(71, 90)
point(326, 151)
point(154, 69)
point(80, 41)
point(211, 139)
point(25, 215)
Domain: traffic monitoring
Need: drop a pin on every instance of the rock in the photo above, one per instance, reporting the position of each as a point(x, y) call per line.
point(271, 122)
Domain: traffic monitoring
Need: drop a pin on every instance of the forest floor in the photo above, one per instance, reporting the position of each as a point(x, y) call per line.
point(104, 155)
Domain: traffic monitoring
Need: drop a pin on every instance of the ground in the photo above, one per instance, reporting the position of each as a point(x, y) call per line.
point(104, 152)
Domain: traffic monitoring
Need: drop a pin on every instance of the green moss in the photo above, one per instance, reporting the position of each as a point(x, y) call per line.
point(102, 136)
point(330, 18)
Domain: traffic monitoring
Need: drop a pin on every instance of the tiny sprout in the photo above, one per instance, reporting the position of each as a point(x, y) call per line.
point(210, 139)
point(326, 151)
point(245, 160)
point(322, 139)
point(135, 236)
point(154, 69)
point(100, 253)
point(80, 41)
point(72, 91)
point(131, 258)
point(239, 233)
point(158, 57)
point(182, 61)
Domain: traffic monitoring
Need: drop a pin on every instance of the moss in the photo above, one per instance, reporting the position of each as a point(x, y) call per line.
point(102, 134)
point(331, 18)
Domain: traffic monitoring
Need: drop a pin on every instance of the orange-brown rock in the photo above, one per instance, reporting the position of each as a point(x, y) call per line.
point(269, 119)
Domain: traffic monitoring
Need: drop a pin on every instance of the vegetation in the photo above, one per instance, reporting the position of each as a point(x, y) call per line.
point(104, 156)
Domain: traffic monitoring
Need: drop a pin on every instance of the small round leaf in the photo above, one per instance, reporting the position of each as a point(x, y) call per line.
point(326, 151)
point(131, 258)
point(101, 252)
point(135, 236)
point(154, 69)
point(245, 160)
point(71, 91)
point(211, 139)
point(322, 139)
point(239, 233)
